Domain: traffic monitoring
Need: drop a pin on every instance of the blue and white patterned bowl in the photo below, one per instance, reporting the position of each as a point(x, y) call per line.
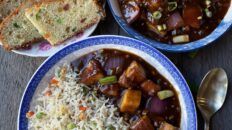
point(165, 67)
point(218, 32)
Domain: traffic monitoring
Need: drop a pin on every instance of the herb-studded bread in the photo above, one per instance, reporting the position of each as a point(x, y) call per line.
point(7, 6)
point(58, 20)
point(16, 31)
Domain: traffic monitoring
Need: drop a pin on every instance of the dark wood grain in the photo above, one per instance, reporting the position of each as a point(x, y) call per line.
point(16, 71)
point(218, 54)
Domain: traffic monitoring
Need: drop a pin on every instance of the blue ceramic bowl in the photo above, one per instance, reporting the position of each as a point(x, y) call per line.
point(218, 32)
point(73, 51)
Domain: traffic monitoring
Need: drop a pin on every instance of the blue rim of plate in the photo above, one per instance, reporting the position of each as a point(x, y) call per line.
point(99, 40)
point(221, 29)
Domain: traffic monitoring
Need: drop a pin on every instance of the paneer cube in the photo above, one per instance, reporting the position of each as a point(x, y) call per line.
point(130, 101)
point(111, 90)
point(135, 72)
point(92, 73)
point(125, 82)
point(150, 88)
point(143, 123)
point(167, 126)
point(133, 75)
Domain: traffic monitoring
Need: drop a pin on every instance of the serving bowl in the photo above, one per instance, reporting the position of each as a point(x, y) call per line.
point(75, 50)
point(217, 33)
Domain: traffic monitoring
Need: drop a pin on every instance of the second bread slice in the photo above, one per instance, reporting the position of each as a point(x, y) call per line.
point(58, 20)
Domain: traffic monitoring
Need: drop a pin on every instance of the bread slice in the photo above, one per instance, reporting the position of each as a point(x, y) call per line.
point(7, 6)
point(58, 20)
point(16, 31)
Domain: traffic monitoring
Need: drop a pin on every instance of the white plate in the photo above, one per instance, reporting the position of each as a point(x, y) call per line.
point(44, 49)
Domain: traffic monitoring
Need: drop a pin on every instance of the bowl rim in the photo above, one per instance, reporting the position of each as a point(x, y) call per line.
point(218, 32)
point(52, 60)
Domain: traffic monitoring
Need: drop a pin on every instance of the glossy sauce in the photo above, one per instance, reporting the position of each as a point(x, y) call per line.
point(205, 24)
point(121, 60)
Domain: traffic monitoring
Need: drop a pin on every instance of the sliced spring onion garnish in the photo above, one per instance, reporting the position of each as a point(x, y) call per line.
point(157, 15)
point(108, 80)
point(199, 17)
point(180, 38)
point(208, 3)
point(208, 13)
point(172, 6)
point(164, 94)
point(162, 27)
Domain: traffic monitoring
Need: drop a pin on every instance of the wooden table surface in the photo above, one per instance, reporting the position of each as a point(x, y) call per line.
point(16, 70)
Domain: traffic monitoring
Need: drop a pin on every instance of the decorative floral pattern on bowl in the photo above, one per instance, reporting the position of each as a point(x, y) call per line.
point(45, 46)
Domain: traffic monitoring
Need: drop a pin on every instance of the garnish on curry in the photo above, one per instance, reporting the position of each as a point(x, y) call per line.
point(174, 21)
point(146, 100)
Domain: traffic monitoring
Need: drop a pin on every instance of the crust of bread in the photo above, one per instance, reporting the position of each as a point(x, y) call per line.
point(23, 46)
point(10, 10)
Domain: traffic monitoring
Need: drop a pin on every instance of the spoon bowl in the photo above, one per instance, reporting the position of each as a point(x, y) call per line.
point(212, 93)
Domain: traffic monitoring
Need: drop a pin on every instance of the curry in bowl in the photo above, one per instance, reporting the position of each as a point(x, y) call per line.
point(174, 21)
point(107, 89)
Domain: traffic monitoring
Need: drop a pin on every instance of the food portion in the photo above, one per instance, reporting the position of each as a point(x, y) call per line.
point(67, 104)
point(174, 21)
point(24, 22)
point(60, 20)
point(107, 90)
point(16, 31)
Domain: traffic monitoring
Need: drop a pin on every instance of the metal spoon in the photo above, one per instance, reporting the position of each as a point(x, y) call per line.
point(212, 93)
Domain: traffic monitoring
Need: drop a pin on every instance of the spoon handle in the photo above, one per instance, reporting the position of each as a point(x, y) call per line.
point(206, 125)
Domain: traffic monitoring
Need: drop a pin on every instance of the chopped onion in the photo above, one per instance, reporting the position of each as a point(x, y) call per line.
point(114, 65)
point(180, 39)
point(155, 106)
point(175, 21)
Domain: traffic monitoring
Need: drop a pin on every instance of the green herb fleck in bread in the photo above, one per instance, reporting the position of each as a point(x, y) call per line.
point(58, 20)
point(16, 31)
point(7, 6)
